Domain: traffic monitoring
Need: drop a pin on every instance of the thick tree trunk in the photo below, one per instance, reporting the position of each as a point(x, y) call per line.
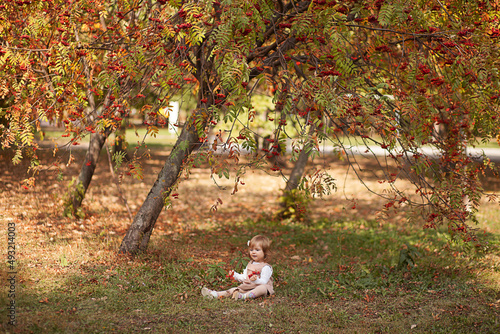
point(77, 193)
point(138, 234)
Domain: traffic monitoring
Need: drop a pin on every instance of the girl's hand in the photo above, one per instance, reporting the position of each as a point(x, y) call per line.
point(254, 275)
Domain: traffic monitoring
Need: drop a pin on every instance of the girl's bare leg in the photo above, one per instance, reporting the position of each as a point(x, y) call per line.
point(226, 293)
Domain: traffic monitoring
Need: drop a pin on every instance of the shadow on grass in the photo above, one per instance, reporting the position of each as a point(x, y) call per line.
point(330, 277)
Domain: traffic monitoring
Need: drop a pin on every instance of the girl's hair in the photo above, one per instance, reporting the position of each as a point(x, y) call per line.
point(263, 242)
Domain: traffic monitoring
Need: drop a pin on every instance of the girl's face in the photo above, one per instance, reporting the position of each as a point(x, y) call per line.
point(256, 253)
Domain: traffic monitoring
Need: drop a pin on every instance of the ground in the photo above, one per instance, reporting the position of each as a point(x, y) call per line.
point(335, 272)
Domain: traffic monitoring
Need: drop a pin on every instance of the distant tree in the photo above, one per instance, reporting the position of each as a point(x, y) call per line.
point(78, 63)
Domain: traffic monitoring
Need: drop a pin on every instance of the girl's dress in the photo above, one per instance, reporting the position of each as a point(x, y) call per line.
point(247, 285)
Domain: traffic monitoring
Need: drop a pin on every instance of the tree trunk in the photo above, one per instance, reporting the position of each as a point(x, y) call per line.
point(138, 234)
point(97, 140)
point(77, 194)
point(300, 165)
point(297, 171)
point(293, 204)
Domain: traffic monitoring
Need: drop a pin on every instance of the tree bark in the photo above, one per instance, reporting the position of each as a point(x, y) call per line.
point(300, 165)
point(292, 204)
point(77, 194)
point(297, 171)
point(96, 143)
point(139, 232)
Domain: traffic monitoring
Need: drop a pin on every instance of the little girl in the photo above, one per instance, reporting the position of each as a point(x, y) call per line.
point(256, 278)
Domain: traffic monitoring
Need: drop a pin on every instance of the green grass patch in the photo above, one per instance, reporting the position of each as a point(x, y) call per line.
point(329, 276)
point(134, 136)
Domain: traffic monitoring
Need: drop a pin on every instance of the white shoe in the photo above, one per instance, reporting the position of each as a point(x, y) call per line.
point(207, 293)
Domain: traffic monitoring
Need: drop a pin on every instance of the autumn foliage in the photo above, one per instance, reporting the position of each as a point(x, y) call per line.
point(395, 74)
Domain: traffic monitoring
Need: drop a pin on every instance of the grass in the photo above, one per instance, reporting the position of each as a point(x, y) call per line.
point(164, 138)
point(330, 277)
point(337, 273)
point(134, 136)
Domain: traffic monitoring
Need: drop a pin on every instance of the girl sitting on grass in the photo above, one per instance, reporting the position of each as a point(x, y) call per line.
point(256, 278)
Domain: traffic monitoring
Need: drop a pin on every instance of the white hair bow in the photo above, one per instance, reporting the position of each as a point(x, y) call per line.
point(248, 243)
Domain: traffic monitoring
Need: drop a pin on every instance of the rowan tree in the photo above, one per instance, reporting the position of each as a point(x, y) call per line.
point(83, 64)
point(372, 69)
point(390, 73)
